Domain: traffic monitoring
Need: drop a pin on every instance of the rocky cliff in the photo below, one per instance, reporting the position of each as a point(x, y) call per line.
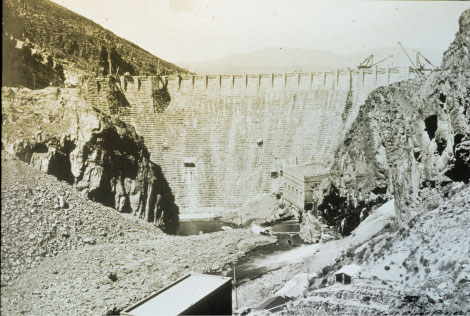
point(410, 140)
point(57, 132)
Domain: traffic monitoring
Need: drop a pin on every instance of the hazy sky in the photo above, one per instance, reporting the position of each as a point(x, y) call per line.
point(194, 30)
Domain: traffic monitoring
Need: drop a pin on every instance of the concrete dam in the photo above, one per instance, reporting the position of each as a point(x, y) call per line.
point(222, 140)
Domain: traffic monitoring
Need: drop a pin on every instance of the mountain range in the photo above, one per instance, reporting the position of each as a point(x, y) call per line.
point(285, 59)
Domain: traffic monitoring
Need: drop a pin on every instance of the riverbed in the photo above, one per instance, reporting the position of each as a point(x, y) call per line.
point(288, 248)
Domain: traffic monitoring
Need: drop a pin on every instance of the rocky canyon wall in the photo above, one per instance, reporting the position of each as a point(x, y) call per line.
point(58, 132)
point(410, 141)
point(220, 138)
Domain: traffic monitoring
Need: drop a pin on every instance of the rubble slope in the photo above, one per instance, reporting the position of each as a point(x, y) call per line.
point(43, 217)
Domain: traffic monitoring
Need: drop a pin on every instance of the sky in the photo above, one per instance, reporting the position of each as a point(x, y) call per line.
point(197, 30)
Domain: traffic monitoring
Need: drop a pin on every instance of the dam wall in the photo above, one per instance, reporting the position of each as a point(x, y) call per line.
point(224, 139)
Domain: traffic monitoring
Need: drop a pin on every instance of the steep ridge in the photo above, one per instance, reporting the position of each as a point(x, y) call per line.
point(57, 132)
point(410, 140)
point(82, 46)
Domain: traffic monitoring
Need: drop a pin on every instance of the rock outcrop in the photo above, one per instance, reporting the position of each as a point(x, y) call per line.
point(410, 140)
point(56, 131)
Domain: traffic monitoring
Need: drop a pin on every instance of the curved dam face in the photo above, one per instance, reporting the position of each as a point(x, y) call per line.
point(222, 140)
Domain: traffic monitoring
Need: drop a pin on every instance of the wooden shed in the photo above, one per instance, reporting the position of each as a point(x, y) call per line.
point(347, 273)
point(193, 294)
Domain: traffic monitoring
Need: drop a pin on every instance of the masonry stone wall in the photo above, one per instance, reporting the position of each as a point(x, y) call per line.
point(236, 129)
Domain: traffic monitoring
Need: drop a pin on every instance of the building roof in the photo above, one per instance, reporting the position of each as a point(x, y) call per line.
point(350, 269)
point(179, 296)
point(307, 171)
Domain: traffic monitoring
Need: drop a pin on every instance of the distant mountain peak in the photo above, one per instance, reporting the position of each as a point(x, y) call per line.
point(293, 59)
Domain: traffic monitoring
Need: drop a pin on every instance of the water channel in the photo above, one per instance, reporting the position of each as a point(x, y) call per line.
point(261, 260)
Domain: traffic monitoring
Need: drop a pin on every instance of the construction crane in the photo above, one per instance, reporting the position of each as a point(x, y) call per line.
point(369, 62)
point(419, 67)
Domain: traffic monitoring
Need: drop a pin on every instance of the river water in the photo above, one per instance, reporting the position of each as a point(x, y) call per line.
point(195, 227)
point(262, 260)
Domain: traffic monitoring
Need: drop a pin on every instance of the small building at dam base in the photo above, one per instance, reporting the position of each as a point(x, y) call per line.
point(298, 184)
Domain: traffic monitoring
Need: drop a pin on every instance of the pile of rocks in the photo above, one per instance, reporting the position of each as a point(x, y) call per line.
point(43, 217)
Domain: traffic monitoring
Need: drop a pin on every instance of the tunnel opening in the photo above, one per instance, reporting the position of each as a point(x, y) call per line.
point(431, 126)
point(417, 155)
point(442, 98)
point(61, 168)
point(441, 145)
point(380, 190)
point(460, 170)
point(40, 148)
point(189, 164)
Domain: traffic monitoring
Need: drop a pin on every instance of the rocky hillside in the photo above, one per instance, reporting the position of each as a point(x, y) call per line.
point(57, 132)
point(81, 45)
point(24, 66)
point(411, 140)
point(420, 269)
